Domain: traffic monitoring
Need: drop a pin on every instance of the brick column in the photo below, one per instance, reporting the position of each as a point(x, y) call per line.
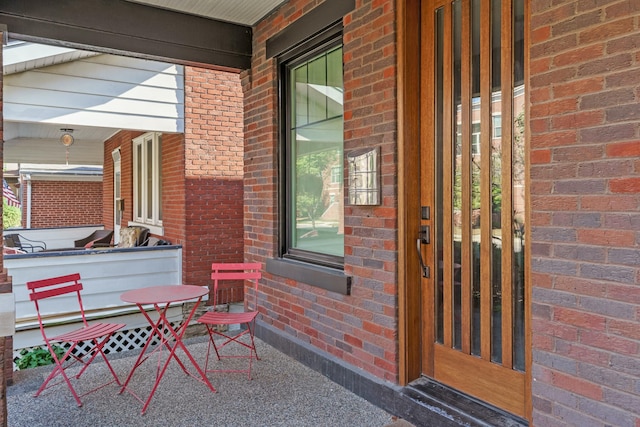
point(6, 351)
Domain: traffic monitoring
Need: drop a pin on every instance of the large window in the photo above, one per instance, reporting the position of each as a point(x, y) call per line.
point(313, 162)
point(147, 179)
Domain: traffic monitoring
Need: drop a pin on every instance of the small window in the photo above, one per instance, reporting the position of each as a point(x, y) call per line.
point(497, 126)
point(312, 171)
point(475, 139)
point(336, 175)
point(147, 179)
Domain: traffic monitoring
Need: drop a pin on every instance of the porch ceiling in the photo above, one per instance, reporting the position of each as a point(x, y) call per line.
point(245, 12)
point(40, 143)
point(215, 34)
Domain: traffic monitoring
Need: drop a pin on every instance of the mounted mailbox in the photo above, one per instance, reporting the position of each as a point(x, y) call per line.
point(7, 315)
point(364, 176)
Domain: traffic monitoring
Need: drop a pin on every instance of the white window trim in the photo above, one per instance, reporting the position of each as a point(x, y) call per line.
point(137, 175)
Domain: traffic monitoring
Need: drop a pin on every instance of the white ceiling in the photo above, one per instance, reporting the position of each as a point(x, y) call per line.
point(246, 12)
point(39, 143)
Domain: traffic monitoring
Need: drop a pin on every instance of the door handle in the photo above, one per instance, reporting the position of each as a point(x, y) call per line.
point(426, 273)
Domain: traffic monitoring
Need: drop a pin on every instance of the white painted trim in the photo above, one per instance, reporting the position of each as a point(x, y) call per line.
point(28, 179)
point(149, 215)
point(7, 315)
point(117, 194)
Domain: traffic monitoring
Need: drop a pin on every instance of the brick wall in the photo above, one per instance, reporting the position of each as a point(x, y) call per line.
point(173, 191)
point(360, 328)
point(585, 195)
point(213, 168)
point(64, 203)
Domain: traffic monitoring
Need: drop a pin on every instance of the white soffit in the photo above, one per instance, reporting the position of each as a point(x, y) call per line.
point(20, 56)
point(245, 12)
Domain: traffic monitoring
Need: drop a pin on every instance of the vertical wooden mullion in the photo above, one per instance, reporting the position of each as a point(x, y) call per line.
point(428, 82)
point(485, 180)
point(448, 117)
point(465, 101)
point(507, 182)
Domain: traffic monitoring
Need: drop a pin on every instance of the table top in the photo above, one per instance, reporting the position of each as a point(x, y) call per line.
point(164, 294)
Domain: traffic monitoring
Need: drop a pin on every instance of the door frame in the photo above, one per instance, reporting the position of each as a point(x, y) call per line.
point(410, 123)
point(409, 295)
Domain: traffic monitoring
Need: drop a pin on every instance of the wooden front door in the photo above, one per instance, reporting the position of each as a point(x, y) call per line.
point(473, 196)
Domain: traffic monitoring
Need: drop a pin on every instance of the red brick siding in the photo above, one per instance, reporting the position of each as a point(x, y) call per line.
point(64, 203)
point(363, 325)
point(173, 194)
point(213, 168)
point(214, 220)
point(585, 170)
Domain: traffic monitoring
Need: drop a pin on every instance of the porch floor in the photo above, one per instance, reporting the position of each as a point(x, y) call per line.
point(282, 392)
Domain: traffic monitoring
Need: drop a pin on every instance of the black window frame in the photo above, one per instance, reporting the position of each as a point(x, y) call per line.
point(328, 39)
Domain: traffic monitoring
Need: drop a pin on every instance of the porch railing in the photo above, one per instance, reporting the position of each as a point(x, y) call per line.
point(106, 274)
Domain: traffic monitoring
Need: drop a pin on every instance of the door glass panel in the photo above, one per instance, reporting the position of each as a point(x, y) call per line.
point(457, 167)
point(476, 187)
point(496, 186)
point(518, 174)
point(439, 71)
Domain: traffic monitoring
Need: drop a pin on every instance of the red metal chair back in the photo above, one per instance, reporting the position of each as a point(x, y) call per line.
point(221, 272)
point(53, 287)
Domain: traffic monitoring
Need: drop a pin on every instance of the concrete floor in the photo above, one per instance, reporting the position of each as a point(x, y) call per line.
point(282, 392)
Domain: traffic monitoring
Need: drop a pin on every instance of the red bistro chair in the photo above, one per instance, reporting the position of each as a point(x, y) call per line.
point(95, 336)
point(218, 322)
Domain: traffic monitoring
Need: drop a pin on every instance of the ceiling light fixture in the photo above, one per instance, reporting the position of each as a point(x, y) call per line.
point(67, 138)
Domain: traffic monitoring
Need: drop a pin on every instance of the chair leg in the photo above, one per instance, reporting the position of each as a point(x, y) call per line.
point(252, 350)
point(59, 370)
point(229, 339)
point(97, 349)
point(206, 360)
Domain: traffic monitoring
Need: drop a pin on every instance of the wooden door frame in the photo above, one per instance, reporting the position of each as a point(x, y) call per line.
point(409, 295)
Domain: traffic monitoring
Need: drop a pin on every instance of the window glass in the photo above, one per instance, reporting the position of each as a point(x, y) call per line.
point(149, 179)
point(315, 158)
point(147, 173)
point(138, 174)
